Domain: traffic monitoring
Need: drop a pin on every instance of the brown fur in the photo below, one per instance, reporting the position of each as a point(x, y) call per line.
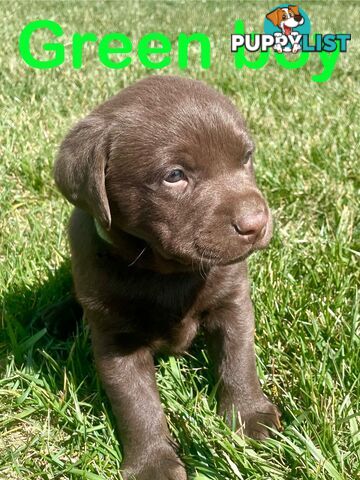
point(174, 260)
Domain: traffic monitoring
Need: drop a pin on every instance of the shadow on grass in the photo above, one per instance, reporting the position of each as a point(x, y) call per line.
point(25, 311)
point(42, 325)
point(48, 317)
point(45, 332)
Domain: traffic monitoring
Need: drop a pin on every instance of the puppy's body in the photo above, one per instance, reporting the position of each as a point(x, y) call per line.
point(160, 311)
point(165, 170)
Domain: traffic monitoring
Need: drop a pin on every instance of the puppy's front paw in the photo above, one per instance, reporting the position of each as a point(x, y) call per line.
point(159, 465)
point(256, 419)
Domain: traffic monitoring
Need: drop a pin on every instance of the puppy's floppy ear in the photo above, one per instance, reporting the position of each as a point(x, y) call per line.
point(275, 16)
point(80, 168)
point(294, 9)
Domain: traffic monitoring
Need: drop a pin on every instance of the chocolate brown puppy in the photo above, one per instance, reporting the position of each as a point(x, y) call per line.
point(167, 211)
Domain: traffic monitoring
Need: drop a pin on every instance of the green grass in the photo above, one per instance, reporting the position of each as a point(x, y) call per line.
point(55, 421)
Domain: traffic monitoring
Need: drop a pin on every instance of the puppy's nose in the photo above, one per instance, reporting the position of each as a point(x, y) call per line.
point(298, 18)
point(251, 226)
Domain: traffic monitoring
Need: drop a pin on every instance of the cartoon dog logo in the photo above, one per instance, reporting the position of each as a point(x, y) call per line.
point(286, 19)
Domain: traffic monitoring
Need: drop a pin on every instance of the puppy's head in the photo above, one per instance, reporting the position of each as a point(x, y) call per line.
point(169, 161)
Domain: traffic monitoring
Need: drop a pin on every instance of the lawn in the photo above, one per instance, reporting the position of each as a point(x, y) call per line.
point(55, 421)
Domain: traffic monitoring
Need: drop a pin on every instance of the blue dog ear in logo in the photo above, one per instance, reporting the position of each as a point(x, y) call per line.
point(287, 20)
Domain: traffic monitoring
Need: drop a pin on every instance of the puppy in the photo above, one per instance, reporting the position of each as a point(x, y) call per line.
point(167, 211)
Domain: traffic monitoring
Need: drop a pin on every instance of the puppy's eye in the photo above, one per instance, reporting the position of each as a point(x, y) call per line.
point(247, 157)
point(175, 176)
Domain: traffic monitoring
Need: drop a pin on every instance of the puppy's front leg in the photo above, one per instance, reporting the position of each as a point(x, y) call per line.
point(230, 335)
point(129, 381)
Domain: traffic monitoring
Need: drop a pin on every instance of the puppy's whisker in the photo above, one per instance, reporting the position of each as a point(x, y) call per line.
point(137, 258)
point(202, 268)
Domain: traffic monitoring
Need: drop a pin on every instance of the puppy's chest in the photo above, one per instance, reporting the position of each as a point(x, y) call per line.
point(163, 309)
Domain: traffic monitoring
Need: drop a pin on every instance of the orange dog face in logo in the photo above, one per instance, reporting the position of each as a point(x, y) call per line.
point(286, 18)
